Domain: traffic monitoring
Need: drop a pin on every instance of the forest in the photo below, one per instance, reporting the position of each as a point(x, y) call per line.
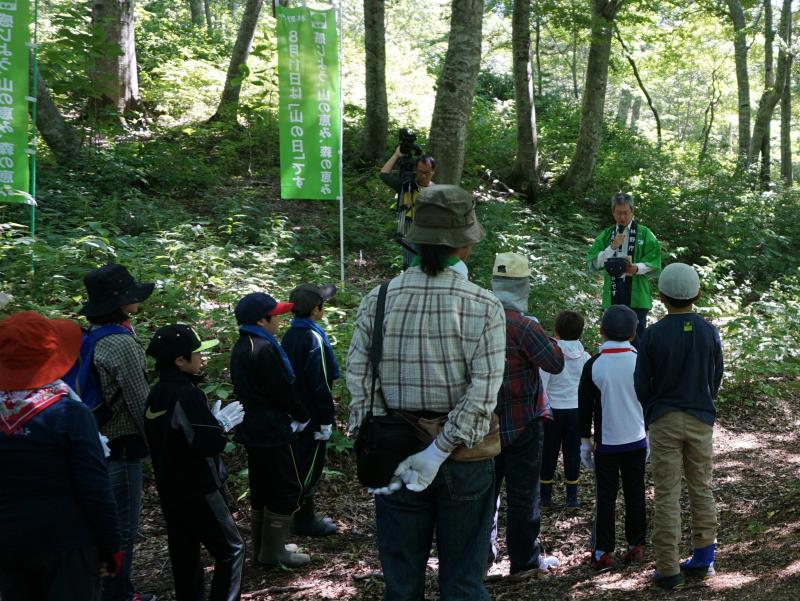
point(158, 147)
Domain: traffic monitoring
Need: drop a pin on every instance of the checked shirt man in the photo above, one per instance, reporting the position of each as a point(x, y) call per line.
point(443, 355)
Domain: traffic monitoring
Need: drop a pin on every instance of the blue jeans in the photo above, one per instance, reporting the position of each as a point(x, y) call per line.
point(519, 465)
point(458, 507)
point(126, 485)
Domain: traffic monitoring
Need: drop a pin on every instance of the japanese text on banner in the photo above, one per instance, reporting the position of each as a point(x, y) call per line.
point(14, 36)
point(308, 63)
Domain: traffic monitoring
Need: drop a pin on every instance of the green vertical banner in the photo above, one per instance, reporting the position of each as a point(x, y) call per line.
point(14, 52)
point(310, 115)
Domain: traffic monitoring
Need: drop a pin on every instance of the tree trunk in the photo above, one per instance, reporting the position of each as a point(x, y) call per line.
point(771, 96)
point(638, 77)
point(229, 103)
point(581, 167)
point(635, 112)
point(742, 77)
point(769, 81)
point(207, 11)
point(786, 132)
point(525, 173)
point(196, 9)
point(59, 135)
point(114, 76)
point(376, 118)
point(624, 106)
point(538, 52)
point(708, 116)
point(574, 63)
point(455, 90)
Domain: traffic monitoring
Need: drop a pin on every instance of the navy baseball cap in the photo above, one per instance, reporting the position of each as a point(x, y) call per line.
point(619, 322)
point(256, 306)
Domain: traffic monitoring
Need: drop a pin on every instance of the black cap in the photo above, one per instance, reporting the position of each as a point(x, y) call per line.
point(177, 340)
point(307, 296)
point(619, 323)
point(111, 287)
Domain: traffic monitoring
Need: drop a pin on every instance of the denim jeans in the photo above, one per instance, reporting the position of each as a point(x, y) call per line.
point(126, 485)
point(519, 465)
point(457, 506)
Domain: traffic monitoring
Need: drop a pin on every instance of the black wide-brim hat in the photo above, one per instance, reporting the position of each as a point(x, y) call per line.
point(111, 287)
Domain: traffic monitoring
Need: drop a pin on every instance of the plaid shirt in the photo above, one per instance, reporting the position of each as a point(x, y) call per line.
point(120, 363)
point(443, 351)
point(521, 399)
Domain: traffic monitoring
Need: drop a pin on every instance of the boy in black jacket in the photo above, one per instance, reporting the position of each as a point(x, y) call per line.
point(186, 439)
point(263, 380)
point(315, 369)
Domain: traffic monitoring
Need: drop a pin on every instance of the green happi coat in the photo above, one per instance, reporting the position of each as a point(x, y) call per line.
point(646, 250)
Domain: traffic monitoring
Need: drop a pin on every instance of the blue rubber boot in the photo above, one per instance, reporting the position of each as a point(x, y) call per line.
point(701, 565)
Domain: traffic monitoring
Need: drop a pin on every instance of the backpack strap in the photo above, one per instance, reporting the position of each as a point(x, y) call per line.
point(376, 348)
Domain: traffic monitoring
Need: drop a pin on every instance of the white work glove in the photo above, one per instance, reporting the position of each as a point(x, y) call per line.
point(229, 416)
point(298, 426)
point(394, 485)
point(647, 455)
point(418, 471)
point(104, 444)
point(586, 454)
point(325, 431)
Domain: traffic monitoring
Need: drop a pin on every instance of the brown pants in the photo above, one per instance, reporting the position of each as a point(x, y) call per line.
point(679, 439)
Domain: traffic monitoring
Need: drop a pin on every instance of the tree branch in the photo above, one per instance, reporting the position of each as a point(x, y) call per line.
point(632, 63)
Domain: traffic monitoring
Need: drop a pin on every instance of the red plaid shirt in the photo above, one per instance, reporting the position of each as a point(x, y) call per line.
point(521, 398)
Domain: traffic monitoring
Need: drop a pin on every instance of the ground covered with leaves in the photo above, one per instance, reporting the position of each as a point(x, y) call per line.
point(756, 485)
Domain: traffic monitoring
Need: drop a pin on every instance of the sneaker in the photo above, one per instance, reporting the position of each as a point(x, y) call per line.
point(669, 583)
point(634, 554)
point(602, 563)
point(144, 597)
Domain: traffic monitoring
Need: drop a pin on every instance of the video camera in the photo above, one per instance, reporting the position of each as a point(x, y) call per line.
point(410, 151)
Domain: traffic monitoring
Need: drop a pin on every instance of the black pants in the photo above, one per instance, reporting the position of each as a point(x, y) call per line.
point(562, 433)
point(282, 477)
point(64, 576)
point(608, 468)
point(518, 464)
point(203, 520)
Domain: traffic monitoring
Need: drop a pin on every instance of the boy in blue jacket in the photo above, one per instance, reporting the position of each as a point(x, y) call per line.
point(315, 366)
point(186, 439)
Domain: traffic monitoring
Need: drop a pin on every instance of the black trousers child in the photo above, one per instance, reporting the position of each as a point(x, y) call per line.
point(563, 432)
point(608, 469)
point(282, 478)
point(194, 520)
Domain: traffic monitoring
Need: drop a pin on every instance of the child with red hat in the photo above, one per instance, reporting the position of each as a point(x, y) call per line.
point(263, 381)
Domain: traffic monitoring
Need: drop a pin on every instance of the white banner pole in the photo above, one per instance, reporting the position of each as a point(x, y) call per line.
point(338, 8)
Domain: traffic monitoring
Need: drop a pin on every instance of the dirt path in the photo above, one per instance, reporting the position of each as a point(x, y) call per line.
point(757, 487)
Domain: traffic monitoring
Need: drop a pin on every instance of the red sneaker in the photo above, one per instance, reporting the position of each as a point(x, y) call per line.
point(605, 562)
point(634, 554)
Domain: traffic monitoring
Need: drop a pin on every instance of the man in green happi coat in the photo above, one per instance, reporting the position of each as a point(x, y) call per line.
point(626, 252)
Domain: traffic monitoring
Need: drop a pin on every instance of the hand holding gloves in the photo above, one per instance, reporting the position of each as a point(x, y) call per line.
point(229, 416)
point(298, 426)
point(586, 453)
point(418, 471)
point(104, 444)
point(325, 431)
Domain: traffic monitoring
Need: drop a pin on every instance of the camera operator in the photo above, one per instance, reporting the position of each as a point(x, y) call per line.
point(414, 173)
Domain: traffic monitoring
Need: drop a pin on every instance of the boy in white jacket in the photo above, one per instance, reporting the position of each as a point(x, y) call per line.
point(562, 390)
